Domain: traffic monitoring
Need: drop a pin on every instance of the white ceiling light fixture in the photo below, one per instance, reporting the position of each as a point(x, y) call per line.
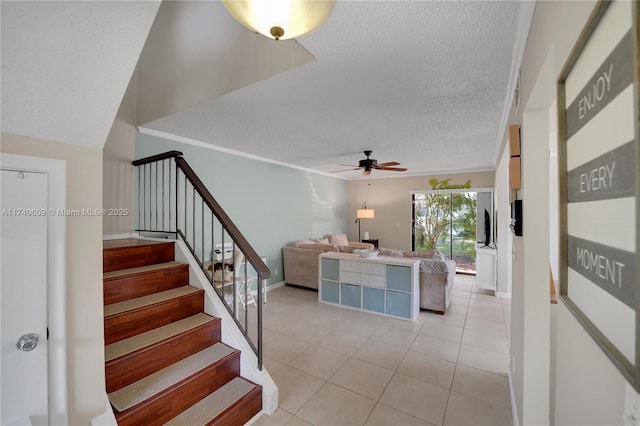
point(280, 19)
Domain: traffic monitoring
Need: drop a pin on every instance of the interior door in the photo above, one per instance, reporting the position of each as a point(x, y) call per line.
point(23, 298)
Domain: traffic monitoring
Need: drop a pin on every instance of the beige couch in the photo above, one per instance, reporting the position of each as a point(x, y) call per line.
point(436, 278)
point(301, 259)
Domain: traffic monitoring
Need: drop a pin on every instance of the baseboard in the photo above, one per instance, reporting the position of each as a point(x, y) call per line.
point(503, 294)
point(119, 236)
point(512, 395)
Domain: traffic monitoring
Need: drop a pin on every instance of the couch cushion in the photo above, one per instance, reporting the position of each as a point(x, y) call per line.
point(339, 239)
point(323, 241)
point(390, 252)
point(319, 247)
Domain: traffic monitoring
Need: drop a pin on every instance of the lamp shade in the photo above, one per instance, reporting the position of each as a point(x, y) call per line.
point(365, 213)
point(280, 19)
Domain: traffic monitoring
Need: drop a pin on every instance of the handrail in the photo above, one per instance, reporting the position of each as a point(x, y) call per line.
point(252, 257)
point(157, 194)
point(158, 157)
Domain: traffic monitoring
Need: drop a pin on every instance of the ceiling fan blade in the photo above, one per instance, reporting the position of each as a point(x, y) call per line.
point(393, 169)
point(390, 163)
point(345, 170)
point(366, 172)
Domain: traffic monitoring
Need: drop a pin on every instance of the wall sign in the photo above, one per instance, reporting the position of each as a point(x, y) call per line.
point(600, 183)
point(444, 184)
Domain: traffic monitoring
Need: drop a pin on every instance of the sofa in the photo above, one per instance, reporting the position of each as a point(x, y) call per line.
point(301, 259)
point(436, 277)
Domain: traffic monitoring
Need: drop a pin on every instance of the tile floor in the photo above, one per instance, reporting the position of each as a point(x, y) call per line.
point(335, 366)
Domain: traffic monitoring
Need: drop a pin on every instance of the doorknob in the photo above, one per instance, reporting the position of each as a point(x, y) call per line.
point(28, 342)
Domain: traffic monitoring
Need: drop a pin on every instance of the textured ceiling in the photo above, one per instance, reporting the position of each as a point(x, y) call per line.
point(424, 83)
point(66, 65)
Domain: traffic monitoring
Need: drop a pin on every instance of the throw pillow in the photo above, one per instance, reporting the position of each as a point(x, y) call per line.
point(339, 239)
point(323, 241)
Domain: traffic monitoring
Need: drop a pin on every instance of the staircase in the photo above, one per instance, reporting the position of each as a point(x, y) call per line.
point(164, 361)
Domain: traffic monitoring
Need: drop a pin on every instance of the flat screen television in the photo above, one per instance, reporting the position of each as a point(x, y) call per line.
point(487, 228)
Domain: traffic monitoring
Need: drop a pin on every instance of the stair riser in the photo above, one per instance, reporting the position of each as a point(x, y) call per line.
point(132, 286)
point(170, 403)
point(115, 259)
point(129, 368)
point(242, 411)
point(127, 324)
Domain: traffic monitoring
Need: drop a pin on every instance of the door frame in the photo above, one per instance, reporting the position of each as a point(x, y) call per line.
point(56, 272)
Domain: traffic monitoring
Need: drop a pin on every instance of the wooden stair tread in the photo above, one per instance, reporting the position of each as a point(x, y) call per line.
point(151, 299)
point(148, 338)
point(155, 383)
point(213, 405)
point(130, 242)
point(142, 269)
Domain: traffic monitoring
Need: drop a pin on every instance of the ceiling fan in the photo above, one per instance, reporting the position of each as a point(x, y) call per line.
point(369, 164)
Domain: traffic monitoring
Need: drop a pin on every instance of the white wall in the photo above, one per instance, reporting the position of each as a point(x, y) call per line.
point(391, 199)
point(119, 151)
point(85, 337)
point(588, 389)
point(271, 204)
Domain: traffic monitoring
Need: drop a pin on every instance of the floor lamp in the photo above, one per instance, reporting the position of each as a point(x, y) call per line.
point(364, 213)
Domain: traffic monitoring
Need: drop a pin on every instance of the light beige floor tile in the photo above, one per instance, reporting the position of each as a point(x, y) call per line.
point(279, 418)
point(491, 314)
point(496, 342)
point(297, 421)
point(383, 415)
point(443, 331)
point(485, 325)
point(343, 343)
point(464, 410)
point(284, 348)
point(487, 296)
point(437, 347)
point(319, 362)
point(483, 359)
point(431, 369)
point(479, 384)
point(363, 378)
point(398, 324)
point(449, 319)
point(295, 388)
point(359, 327)
point(416, 397)
point(484, 303)
point(306, 331)
point(457, 310)
point(333, 405)
point(271, 364)
point(400, 338)
point(381, 354)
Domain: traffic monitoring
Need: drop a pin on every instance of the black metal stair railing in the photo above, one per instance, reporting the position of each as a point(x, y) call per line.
point(172, 199)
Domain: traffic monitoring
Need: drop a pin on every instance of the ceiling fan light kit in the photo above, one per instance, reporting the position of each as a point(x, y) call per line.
point(280, 19)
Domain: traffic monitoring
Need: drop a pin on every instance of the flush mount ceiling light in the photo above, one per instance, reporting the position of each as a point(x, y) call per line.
point(280, 19)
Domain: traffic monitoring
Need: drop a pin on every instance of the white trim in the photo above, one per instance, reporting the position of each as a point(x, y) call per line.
point(525, 17)
point(205, 145)
point(119, 236)
point(56, 274)
point(504, 294)
point(512, 395)
point(107, 418)
point(231, 334)
point(194, 142)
